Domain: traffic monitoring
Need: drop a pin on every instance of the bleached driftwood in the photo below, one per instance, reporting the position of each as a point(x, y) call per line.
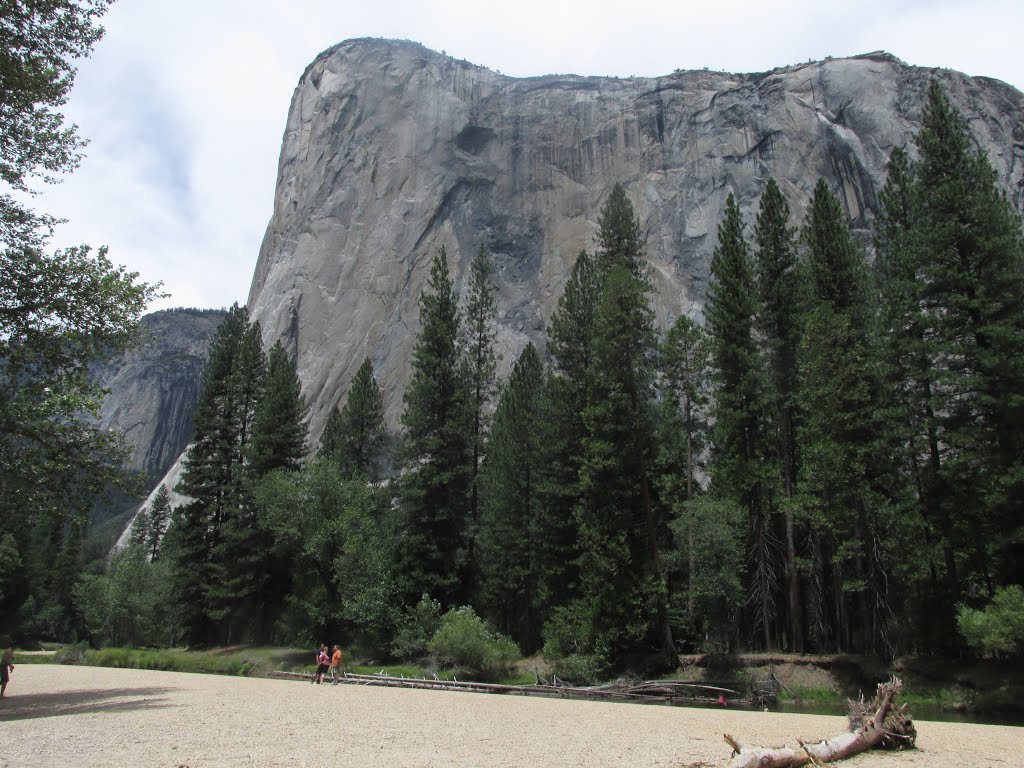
point(897, 732)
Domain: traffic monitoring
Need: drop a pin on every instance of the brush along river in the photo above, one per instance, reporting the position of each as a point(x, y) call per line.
point(92, 716)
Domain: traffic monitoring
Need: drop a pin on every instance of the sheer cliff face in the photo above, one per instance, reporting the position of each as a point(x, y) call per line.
point(392, 150)
point(154, 387)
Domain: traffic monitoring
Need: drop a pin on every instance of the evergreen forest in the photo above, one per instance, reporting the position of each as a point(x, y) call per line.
point(830, 459)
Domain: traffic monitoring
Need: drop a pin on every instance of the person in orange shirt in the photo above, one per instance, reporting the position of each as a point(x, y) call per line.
point(335, 665)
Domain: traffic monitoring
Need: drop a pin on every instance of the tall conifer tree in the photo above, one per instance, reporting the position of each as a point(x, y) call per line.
point(510, 537)
point(437, 451)
point(355, 436)
point(479, 365)
point(738, 472)
point(778, 324)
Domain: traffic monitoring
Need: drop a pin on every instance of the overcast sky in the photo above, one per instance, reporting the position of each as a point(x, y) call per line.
point(185, 102)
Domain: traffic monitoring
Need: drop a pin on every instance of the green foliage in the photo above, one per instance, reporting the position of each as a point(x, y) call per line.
point(279, 423)
point(73, 654)
point(683, 420)
point(463, 640)
point(159, 519)
point(328, 546)
point(998, 628)
point(739, 473)
point(170, 660)
point(478, 365)
point(569, 646)
point(41, 40)
point(510, 564)
point(59, 314)
point(414, 633)
point(10, 562)
point(580, 668)
point(835, 266)
point(128, 604)
point(437, 451)
point(354, 437)
point(618, 521)
point(213, 534)
point(715, 564)
point(55, 461)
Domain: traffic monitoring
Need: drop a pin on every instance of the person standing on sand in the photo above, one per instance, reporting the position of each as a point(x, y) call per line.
point(323, 661)
point(316, 661)
point(335, 665)
point(6, 667)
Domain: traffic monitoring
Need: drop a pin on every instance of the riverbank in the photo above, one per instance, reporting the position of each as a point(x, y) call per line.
point(99, 718)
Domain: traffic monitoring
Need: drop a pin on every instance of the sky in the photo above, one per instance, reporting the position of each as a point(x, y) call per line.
point(184, 103)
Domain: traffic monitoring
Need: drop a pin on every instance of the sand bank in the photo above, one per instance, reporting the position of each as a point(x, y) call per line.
point(88, 716)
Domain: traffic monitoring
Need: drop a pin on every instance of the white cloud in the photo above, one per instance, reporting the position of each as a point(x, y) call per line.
point(185, 103)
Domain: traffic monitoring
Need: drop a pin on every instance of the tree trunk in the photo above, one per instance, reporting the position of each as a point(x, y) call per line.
point(889, 724)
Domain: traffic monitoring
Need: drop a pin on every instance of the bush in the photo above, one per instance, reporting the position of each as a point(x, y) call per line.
point(579, 668)
point(71, 654)
point(463, 640)
point(998, 629)
point(414, 634)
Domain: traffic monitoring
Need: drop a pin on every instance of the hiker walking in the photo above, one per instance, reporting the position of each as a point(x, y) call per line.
point(6, 667)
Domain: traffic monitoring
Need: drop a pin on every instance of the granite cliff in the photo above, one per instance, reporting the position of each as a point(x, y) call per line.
point(392, 150)
point(153, 387)
point(152, 391)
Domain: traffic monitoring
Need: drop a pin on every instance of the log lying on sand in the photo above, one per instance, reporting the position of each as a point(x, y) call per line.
point(889, 727)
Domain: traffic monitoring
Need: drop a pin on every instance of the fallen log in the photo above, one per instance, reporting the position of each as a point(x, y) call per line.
point(895, 732)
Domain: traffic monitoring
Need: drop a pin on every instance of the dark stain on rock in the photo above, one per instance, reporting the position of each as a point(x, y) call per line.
point(473, 139)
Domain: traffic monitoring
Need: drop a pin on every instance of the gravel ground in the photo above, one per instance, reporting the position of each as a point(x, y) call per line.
point(89, 716)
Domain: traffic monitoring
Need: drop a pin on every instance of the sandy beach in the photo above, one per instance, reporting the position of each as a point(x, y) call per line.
point(88, 716)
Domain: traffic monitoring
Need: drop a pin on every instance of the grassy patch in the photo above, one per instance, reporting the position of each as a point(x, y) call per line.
point(811, 694)
point(33, 657)
point(169, 660)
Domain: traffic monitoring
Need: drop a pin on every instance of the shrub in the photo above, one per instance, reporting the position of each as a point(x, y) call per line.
point(570, 646)
point(414, 634)
point(998, 629)
point(71, 654)
point(463, 640)
point(579, 668)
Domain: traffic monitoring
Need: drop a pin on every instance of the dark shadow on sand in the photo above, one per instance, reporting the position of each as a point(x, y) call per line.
point(34, 705)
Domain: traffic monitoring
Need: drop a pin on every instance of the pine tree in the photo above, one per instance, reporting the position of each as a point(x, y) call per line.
point(619, 521)
point(437, 452)
point(510, 536)
point(619, 525)
point(235, 549)
point(620, 241)
point(738, 472)
point(141, 528)
point(778, 322)
point(845, 470)
point(214, 475)
point(480, 365)
point(683, 431)
point(562, 430)
point(967, 248)
point(355, 437)
point(159, 519)
point(279, 429)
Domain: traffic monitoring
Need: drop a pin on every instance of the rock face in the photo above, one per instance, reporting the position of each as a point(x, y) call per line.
point(392, 150)
point(154, 388)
